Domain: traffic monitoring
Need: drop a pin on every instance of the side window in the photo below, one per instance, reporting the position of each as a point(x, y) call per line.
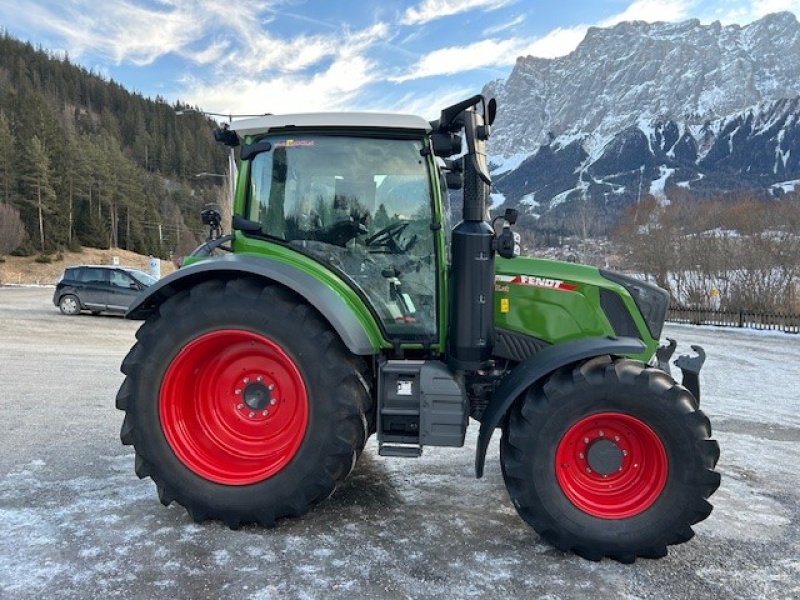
point(91, 275)
point(120, 280)
point(362, 206)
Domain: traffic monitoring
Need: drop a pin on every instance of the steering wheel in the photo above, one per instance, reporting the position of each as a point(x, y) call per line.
point(340, 232)
point(387, 240)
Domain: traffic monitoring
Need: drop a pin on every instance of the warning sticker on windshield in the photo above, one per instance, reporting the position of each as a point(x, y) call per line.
point(293, 143)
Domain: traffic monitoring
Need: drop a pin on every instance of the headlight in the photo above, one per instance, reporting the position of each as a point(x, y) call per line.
point(651, 300)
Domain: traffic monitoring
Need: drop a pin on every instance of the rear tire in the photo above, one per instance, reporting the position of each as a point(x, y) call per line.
point(69, 305)
point(610, 458)
point(206, 353)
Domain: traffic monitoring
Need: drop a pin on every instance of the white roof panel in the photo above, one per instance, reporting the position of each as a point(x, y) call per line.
point(330, 119)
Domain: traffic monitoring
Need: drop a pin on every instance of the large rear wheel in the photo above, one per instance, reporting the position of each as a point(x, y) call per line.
point(242, 404)
point(610, 458)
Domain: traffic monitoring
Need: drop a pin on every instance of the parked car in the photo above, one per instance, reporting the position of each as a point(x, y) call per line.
point(99, 289)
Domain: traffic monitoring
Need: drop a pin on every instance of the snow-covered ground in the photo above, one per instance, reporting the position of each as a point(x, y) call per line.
point(77, 523)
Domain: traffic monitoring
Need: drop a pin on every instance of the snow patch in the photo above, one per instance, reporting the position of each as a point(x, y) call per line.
point(786, 186)
point(658, 187)
point(496, 200)
point(504, 164)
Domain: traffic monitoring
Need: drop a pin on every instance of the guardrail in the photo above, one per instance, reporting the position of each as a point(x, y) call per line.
point(769, 321)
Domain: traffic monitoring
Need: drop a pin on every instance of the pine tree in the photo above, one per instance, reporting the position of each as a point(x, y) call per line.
point(7, 176)
point(37, 190)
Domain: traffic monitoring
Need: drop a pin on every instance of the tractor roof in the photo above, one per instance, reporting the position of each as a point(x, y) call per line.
point(330, 119)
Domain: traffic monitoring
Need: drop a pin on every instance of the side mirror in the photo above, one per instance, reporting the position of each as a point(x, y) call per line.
point(491, 111)
point(133, 285)
point(251, 150)
point(224, 135)
point(246, 225)
point(446, 144)
point(511, 215)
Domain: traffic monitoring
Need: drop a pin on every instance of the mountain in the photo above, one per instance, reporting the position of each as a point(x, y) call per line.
point(642, 108)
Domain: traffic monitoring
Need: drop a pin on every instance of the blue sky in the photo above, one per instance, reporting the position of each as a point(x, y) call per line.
point(255, 56)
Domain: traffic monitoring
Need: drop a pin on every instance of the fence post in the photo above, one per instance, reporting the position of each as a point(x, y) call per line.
point(741, 318)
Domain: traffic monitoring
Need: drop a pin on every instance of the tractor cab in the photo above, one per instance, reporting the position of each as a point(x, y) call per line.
point(363, 206)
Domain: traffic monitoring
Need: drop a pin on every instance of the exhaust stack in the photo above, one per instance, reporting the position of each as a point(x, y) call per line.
point(472, 273)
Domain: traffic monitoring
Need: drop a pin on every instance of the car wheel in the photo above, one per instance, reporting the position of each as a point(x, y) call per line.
point(69, 305)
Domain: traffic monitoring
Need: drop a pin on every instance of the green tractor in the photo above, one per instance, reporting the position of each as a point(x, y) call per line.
point(346, 306)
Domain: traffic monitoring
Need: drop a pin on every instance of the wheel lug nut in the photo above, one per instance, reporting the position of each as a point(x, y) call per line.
point(252, 414)
point(265, 413)
point(588, 470)
point(616, 438)
point(246, 380)
point(580, 455)
point(601, 433)
point(238, 392)
point(259, 379)
point(585, 440)
point(624, 453)
point(273, 402)
point(240, 406)
point(271, 387)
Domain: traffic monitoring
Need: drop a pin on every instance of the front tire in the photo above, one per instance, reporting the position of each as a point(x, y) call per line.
point(241, 403)
point(610, 458)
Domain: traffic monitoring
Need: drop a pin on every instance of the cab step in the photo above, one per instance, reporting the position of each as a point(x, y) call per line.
point(403, 451)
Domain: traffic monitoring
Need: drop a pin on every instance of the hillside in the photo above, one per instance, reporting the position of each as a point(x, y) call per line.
point(86, 161)
point(25, 270)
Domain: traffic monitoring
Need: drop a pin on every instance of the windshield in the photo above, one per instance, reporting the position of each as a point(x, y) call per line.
point(361, 205)
point(142, 277)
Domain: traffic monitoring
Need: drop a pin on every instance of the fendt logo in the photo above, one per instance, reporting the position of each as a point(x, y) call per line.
point(543, 282)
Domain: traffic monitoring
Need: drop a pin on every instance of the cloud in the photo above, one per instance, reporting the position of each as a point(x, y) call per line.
point(272, 73)
point(120, 32)
point(430, 10)
point(500, 27)
point(652, 11)
point(331, 89)
point(455, 59)
point(561, 41)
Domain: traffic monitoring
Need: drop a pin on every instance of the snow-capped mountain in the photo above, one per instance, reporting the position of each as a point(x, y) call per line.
point(640, 107)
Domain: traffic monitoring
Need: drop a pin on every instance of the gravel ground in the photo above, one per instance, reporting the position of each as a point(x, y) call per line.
point(77, 523)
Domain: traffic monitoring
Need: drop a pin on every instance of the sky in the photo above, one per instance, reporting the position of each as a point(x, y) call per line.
point(279, 56)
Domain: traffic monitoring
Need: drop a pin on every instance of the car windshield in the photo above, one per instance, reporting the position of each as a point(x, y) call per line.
point(141, 277)
point(362, 205)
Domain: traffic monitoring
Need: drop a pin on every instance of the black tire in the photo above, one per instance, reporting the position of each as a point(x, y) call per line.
point(540, 423)
point(339, 406)
point(96, 312)
point(69, 305)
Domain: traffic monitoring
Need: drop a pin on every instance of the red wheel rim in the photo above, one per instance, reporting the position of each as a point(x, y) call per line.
point(638, 471)
point(233, 407)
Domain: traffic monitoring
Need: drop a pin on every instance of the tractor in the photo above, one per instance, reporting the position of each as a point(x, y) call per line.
point(344, 304)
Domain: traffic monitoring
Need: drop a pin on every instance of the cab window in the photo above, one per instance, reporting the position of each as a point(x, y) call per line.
point(362, 206)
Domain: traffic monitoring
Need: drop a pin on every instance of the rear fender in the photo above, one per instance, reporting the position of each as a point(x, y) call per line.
point(330, 304)
point(537, 368)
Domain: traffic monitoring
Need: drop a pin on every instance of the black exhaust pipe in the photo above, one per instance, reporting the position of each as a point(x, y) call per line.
point(472, 273)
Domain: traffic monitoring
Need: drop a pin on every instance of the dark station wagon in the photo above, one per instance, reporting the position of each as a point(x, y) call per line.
point(99, 289)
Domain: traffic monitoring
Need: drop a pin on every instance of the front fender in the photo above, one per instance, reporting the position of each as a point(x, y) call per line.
point(331, 305)
point(536, 368)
